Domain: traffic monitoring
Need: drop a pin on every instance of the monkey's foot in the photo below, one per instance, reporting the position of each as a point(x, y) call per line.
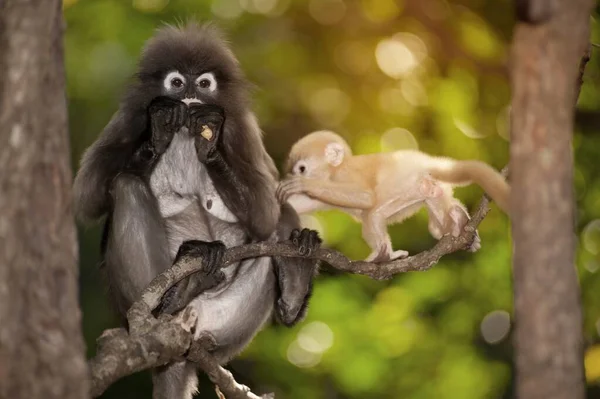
point(219, 393)
point(385, 254)
point(187, 319)
point(399, 254)
point(476, 244)
point(206, 340)
point(307, 241)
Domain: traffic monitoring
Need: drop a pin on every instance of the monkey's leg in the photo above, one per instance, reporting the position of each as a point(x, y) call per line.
point(375, 233)
point(447, 215)
point(294, 274)
point(181, 294)
point(137, 248)
point(175, 381)
point(375, 226)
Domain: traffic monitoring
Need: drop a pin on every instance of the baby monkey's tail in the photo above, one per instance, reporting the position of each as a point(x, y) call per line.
point(467, 172)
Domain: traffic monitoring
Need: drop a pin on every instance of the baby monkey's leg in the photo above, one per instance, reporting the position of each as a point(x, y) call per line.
point(447, 215)
point(374, 229)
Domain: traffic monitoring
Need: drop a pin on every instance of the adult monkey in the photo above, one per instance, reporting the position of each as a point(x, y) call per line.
point(171, 191)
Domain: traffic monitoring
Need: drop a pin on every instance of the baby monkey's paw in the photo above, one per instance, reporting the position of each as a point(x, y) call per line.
point(307, 241)
point(288, 187)
point(167, 116)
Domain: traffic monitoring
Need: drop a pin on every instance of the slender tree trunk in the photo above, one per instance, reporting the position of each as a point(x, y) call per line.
point(548, 337)
point(41, 343)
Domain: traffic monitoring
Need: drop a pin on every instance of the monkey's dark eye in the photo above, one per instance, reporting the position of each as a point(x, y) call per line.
point(176, 82)
point(302, 169)
point(207, 82)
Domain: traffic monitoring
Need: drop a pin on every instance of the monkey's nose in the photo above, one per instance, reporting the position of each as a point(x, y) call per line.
point(193, 100)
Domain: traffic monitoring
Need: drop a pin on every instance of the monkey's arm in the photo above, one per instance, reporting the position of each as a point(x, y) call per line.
point(294, 275)
point(131, 142)
point(345, 195)
point(102, 161)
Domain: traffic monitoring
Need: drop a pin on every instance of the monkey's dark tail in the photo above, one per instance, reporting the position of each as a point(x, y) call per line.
point(480, 173)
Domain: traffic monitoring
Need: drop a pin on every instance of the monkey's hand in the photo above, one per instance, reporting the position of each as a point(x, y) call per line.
point(167, 116)
point(293, 297)
point(182, 293)
point(288, 187)
point(206, 124)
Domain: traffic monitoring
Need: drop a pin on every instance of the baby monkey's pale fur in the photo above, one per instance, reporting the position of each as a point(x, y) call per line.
point(384, 188)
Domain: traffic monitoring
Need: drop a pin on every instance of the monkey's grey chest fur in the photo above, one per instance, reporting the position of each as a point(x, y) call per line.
point(193, 210)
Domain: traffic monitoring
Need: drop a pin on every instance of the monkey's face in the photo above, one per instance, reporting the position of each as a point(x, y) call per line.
point(193, 64)
point(312, 167)
point(190, 88)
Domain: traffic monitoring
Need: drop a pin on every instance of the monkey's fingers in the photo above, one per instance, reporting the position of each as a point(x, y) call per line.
point(216, 251)
point(295, 236)
point(314, 241)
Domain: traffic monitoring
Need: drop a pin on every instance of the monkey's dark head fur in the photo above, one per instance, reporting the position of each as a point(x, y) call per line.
point(191, 62)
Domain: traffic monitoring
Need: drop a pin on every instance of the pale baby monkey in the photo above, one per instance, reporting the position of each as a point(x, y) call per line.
point(384, 188)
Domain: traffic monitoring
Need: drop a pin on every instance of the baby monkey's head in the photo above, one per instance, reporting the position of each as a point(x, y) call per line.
point(317, 154)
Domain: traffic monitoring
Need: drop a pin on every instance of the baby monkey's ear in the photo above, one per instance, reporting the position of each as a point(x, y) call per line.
point(334, 154)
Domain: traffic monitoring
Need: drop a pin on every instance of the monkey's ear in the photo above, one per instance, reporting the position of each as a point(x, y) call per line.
point(334, 154)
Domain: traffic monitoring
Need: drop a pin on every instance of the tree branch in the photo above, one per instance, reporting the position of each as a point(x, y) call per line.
point(152, 343)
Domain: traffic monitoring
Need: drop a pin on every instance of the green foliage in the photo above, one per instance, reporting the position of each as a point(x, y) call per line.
point(387, 75)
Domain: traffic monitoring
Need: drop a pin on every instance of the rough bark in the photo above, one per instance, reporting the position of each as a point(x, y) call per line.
point(41, 342)
point(544, 77)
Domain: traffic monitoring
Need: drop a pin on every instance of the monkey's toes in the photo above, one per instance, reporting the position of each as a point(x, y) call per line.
point(476, 244)
point(399, 254)
point(207, 340)
point(187, 319)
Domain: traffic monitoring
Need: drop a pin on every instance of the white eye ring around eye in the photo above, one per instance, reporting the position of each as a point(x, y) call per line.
point(173, 77)
point(300, 168)
point(207, 81)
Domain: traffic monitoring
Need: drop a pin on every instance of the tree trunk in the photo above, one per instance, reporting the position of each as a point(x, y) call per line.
point(41, 342)
point(548, 336)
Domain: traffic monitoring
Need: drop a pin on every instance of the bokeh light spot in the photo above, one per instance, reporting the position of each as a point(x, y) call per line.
point(398, 138)
point(467, 129)
point(394, 58)
point(591, 266)
point(315, 337)
point(591, 236)
point(495, 326)
point(300, 357)
point(327, 12)
point(503, 123)
point(400, 55)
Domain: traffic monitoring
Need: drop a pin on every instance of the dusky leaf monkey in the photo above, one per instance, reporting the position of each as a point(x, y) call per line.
point(384, 188)
point(181, 170)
